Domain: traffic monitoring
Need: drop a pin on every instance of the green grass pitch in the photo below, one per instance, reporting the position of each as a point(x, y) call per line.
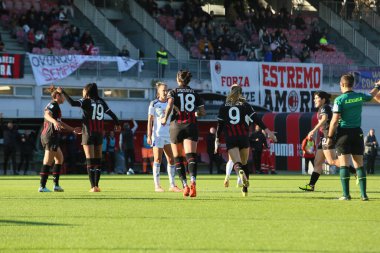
point(128, 216)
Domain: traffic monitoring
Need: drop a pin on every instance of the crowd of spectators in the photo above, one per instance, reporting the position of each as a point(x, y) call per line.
point(249, 32)
point(44, 27)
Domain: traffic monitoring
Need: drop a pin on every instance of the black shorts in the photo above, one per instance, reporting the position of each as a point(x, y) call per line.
point(51, 143)
point(240, 142)
point(180, 132)
point(94, 138)
point(349, 141)
point(323, 143)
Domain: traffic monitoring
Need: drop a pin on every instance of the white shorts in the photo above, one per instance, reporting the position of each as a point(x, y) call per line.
point(160, 142)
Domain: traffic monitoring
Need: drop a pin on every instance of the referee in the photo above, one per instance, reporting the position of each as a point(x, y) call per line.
point(346, 121)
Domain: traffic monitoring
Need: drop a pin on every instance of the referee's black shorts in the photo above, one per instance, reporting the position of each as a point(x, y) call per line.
point(349, 141)
point(180, 132)
point(240, 142)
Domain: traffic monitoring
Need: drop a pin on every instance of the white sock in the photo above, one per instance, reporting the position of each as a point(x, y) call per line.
point(239, 182)
point(156, 174)
point(193, 179)
point(171, 174)
point(229, 166)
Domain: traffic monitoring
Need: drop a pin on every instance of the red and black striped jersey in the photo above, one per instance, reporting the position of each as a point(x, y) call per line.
point(187, 101)
point(93, 114)
point(236, 119)
point(55, 110)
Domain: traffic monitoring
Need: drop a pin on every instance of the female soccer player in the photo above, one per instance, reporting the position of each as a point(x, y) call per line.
point(346, 121)
point(324, 114)
point(93, 108)
point(50, 139)
point(184, 130)
point(158, 136)
point(235, 118)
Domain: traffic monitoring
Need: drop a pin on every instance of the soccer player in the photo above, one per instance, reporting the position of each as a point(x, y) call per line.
point(346, 121)
point(184, 129)
point(324, 114)
point(93, 108)
point(50, 139)
point(235, 118)
point(158, 136)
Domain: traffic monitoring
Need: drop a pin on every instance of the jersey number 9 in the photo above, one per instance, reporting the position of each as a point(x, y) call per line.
point(97, 111)
point(234, 115)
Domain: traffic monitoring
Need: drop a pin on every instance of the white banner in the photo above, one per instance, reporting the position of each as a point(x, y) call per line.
point(289, 87)
point(246, 74)
point(50, 68)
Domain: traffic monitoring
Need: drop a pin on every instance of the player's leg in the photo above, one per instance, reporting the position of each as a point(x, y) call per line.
point(244, 154)
point(229, 166)
point(58, 161)
point(89, 153)
point(343, 148)
point(179, 161)
point(157, 156)
point(318, 162)
point(97, 160)
point(361, 175)
point(171, 168)
point(45, 169)
point(190, 148)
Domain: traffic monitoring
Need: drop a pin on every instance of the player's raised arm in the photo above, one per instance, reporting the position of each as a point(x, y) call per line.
point(69, 99)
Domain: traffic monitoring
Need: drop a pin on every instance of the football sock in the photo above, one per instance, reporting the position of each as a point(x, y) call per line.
point(361, 174)
point(171, 174)
point(229, 166)
point(44, 174)
point(352, 170)
point(97, 162)
point(192, 165)
point(345, 180)
point(314, 178)
point(91, 172)
point(246, 170)
point(181, 170)
point(56, 173)
point(156, 174)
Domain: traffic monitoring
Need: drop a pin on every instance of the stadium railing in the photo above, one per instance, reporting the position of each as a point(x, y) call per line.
point(348, 31)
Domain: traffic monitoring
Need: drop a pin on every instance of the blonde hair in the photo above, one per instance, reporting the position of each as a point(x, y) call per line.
point(158, 85)
point(235, 95)
point(53, 91)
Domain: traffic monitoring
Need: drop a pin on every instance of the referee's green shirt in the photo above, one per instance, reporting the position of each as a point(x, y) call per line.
point(349, 105)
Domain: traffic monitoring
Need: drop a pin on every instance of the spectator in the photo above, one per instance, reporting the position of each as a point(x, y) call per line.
point(299, 22)
point(126, 144)
point(213, 158)
point(124, 52)
point(371, 146)
point(11, 139)
point(40, 39)
point(324, 45)
point(86, 43)
point(67, 6)
point(206, 48)
point(308, 151)
point(67, 39)
point(305, 54)
point(162, 61)
point(258, 142)
point(26, 151)
point(31, 39)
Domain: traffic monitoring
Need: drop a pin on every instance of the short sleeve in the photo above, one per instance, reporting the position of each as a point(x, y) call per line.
point(249, 110)
point(151, 109)
point(171, 94)
point(50, 108)
point(220, 114)
point(199, 101)
point(367, 97)
point(323, 110)
point(337, 108)
point(106, 108)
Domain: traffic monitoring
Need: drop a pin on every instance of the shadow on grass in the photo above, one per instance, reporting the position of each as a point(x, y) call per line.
point(29, 223)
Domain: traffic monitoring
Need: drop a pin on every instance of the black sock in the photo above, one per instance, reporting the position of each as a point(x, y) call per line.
point(192, 165)
point(246, 170)
point(352, 170)
point(314, 178)
point(56, 173)
point(180, 168)
point(44, 175)
point(98, 170)
point(91, 172)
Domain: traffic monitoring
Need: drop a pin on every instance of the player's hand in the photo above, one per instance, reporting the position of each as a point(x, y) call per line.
point(377, 83)
point(163, 121)
point(310, 134)
point(57, 125)
point(59, 89)
point(77, 130)
point(117, 128)
point(216, 145)
point(149, 140)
